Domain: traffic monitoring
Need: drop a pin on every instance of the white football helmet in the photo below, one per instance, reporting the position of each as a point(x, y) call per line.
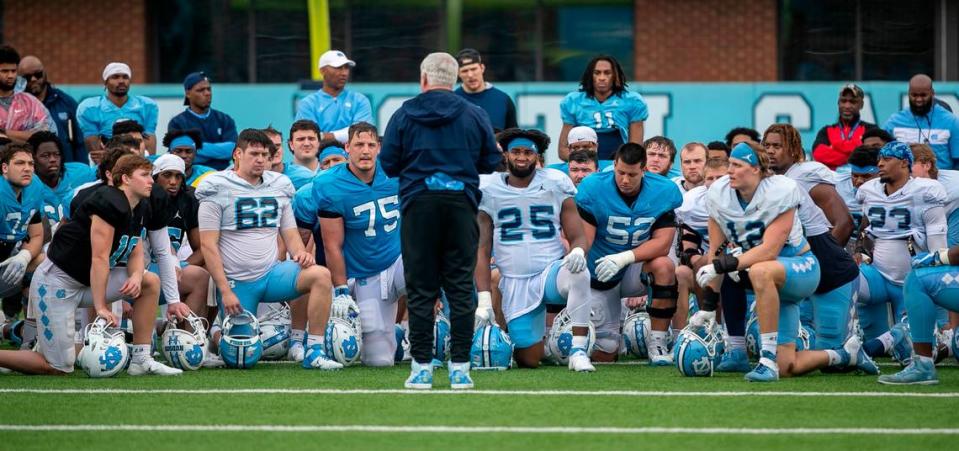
point(184, 349)
point(275, 331)
point(559, 343)
point(343, 342)
point(104, 351)
point(635, 330)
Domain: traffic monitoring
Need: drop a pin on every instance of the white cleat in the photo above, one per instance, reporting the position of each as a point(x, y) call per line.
point(579, 362)
point(151, 366)
point(296, 352)
point(212, 361)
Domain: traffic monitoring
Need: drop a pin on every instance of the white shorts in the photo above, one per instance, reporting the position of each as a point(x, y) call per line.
point(54, 299)
point(607, 305)
point(376, 297)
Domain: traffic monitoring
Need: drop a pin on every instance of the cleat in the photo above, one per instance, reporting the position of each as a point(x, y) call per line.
point(421, 377)
point(212, 361)
point(296, 352)
point(579, 361)
point(734, 361)
point(660, 356)
point(921, 371)
point(901, 344)
point(316, 358)
point(766, 371)
point(151, 366)
point(460, 376)
point(854, 355)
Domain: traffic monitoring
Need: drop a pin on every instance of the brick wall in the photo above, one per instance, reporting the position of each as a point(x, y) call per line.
point(75, 39)
point(705, 40)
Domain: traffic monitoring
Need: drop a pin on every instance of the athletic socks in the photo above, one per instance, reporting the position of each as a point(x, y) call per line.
point(769, 342)
point(834, 357)
point(579, 342)
point(879, 346)
point(297, 335)
point(733, 342)
point(141, 353)
point(314, 340)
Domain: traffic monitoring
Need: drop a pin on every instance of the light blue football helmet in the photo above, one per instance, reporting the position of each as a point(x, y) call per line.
point(753, 340)
point(806, 339)
point(695, 350)
point(441, 339)
point(240, 345)
point(491, 349)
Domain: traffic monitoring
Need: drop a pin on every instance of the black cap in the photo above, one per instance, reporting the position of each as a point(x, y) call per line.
point(852, 88)
point(468, 56)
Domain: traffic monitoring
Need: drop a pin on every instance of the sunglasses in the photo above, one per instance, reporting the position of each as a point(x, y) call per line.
point(36, 75)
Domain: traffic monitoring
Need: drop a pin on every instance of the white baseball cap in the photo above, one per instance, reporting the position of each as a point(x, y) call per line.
point(168, 162)
point(335, 58)
point(116, 68)
point(581, 134)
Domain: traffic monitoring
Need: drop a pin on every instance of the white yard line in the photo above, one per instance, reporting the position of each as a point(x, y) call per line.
point(469, 429)
point(334, 391)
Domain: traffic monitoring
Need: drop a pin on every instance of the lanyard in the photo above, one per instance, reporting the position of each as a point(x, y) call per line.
point(923, 139)
point(852, 131)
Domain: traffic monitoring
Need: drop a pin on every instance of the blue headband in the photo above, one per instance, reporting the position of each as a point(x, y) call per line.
point(863, 169)
point(742, 151)
point(898, 150)
point(183, 141)
point(521, 142)
point(333, 150)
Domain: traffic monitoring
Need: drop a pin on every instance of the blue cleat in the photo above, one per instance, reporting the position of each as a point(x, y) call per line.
point(436, 363)
point(901, 343)
point(854, 355)
point(460, 376)
point(734, 361)
point(421, 376)
point(765, 371)
point(315, 357)
point(922, 371)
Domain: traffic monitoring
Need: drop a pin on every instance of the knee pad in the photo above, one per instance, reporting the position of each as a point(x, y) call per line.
point(379, 349)
point(661, 313)
point(663, 291)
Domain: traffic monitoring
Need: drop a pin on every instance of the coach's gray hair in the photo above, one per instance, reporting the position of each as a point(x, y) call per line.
point(440, 69)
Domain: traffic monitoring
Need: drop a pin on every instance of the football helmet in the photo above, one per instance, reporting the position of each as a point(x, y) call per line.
point(343, 342)
point(402, 343)
point(491, 349)
point(695, 351)
point(806, 339)
point(441, 338)
point(104, 351)
point(240, 345)
point(275, 331)
point(753, 340)
point(14, 331)
point(184, 349)
point(560, 339)
point(635, 331)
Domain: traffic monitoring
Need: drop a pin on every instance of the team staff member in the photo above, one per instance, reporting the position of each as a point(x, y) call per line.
point(62, 108)
point(497, 104)
point(437, 144)
point(927, 122)
point(217, 129)
point(98, 114)
point(334, 108)
point(835, 142)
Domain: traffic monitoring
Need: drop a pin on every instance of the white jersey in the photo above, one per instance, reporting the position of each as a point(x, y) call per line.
point(950, 181)
point(848, 194)
point(894, 218)
point(526, 221)
point(744, 225)
point(807, 175)
point(526, 234)
point(249, 218)
point(693, 213)
point(679, 181)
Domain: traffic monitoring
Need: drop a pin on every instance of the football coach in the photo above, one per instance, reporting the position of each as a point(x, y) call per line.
point(438, 144)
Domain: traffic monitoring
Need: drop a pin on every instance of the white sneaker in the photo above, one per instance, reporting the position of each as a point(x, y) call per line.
point(296, 352)
point(212, 361)
point(151, 366)
point(579, 361)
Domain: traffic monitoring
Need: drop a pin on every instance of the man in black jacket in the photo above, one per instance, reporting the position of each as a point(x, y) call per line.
point(438, 144)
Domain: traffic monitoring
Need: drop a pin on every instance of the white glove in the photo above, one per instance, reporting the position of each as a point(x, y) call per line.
point(342, 303)
point(608, 266)
point(484, 309)
point(702, 318)
point(15, 267)
point(575, 260)
point(735, 253)
point(705, 275)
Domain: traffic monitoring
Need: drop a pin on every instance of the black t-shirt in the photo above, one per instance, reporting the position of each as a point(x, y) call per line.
point(157, 211)
point(184, 209)
point(71, 250)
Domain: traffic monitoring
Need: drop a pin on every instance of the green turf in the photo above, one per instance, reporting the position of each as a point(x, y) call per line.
point(473, 410)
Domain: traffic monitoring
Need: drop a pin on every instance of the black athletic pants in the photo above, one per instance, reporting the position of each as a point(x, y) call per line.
point(439, 237)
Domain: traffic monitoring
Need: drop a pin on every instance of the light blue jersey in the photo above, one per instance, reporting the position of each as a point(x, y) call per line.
point(614, 114)
point(371, 217)
point(18, 214)
point(299, 175)
point(304, 207)
point(939, 129)
point(621, 227)
point(96, 115)
point(198, 170)
point(56, 199)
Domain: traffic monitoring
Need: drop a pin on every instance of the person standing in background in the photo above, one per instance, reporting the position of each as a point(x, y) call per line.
point(474, 88)
point(217, 129)
point(335, 108)
point(62, 108)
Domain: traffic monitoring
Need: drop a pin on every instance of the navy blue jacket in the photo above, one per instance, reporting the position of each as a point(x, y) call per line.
point(218, 132)
point(63, 110)
point(439, 132)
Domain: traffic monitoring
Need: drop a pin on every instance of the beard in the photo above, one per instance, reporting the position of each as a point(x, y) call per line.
point(921, 110)
point(4, 86)
point(885, 179)
point(522, 173)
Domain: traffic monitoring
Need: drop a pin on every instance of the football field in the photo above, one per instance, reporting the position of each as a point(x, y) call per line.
point(620, 406)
